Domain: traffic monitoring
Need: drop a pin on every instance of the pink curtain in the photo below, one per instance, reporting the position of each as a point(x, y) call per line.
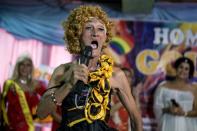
point(59, 55)
point(41, 54)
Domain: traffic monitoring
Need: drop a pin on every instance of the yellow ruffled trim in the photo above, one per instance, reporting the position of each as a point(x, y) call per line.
point(99, 97)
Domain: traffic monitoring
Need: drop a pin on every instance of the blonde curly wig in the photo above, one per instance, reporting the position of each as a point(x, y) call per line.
point(74, 24)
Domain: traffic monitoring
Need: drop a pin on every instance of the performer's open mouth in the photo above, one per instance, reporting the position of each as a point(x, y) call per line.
point(94, 44)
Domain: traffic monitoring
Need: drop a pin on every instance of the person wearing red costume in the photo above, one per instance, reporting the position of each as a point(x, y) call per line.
point(21, 96)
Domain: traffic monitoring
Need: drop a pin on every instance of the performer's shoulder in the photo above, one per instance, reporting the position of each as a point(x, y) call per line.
point(62, 67)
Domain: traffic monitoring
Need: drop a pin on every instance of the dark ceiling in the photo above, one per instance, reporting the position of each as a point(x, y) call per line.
point(178, 1)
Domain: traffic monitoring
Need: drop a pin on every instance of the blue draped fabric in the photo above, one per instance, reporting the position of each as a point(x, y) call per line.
point(36, 20)
point(185, 12)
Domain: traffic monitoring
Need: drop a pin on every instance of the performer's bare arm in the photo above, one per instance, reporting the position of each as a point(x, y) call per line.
point(124, 92)
point(68, 74)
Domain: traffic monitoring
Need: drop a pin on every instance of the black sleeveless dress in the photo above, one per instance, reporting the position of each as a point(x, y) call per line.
point(72, 111)
point(87, 106)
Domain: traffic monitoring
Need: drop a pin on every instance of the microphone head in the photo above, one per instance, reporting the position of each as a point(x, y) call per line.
point(86, 55)
point(87, 52)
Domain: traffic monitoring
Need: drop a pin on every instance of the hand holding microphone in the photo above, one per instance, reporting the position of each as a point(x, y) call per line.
point(80, 72)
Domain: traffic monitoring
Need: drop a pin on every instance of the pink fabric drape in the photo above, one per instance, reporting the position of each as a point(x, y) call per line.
point(41, 54)
point(58, 56)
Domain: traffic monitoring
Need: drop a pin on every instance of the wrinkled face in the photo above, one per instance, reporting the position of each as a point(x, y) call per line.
point(25, 68)
point(183, 71)
point(94, 35)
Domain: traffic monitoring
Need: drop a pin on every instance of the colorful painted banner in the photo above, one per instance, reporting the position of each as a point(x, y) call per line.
point(149, 48)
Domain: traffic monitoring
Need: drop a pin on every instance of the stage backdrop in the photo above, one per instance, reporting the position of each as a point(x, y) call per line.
point(45, 57)
point(149, 48)
point(146, 47)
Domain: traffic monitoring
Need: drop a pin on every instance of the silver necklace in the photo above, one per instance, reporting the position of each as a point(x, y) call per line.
point(80, 107)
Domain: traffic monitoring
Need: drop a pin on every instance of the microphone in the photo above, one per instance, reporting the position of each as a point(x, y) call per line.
point(85, 57)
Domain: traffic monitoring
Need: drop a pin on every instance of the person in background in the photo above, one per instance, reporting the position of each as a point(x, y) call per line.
point(175, 101)
point(86, 104)
point(20, 96)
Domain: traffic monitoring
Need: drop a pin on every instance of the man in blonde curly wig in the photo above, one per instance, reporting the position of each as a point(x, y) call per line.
point(82, 89)
point(74, 25)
